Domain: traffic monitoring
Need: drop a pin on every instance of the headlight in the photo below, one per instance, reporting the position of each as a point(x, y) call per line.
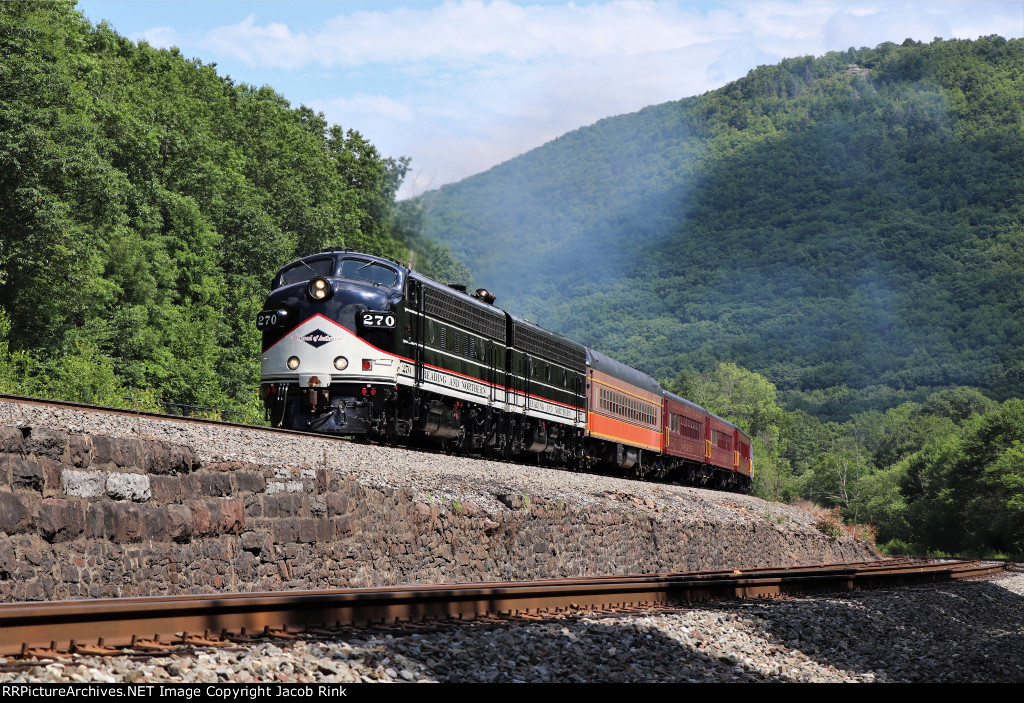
point(319, 289)
point(293, 362)
point(340, 363)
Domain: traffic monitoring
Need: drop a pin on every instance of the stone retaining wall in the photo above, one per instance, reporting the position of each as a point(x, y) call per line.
point(93, 516)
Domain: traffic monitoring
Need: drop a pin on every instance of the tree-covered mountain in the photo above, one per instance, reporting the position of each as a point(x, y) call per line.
point(849, 226)
point(145, 204)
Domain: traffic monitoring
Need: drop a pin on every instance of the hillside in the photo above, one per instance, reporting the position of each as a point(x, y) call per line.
point(146, 202)
point(849, 226)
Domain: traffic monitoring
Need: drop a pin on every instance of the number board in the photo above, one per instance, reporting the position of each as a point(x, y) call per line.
point(267, 319)
point(372, 318)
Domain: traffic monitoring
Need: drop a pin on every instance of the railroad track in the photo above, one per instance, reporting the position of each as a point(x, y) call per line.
point(105, 626)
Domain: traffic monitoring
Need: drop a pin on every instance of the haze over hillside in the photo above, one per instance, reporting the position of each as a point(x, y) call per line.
point(849, 226)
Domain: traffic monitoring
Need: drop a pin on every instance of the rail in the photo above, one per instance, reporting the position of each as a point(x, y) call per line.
point(104, 625)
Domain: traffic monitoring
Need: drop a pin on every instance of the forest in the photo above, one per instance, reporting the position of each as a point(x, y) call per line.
point(944, 476)
point(827, 252)
point(146, 202)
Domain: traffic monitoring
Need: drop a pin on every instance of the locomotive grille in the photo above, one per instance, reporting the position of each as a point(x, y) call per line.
point(462, 313)
point(550, 347)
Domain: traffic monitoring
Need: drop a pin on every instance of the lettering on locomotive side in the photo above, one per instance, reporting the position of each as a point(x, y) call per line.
point(552, 409)
point(455, 382)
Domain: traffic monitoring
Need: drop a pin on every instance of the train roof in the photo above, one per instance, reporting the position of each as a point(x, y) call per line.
point(460, 294)
point(334, 251)
point(543, 330)
point(684, 401)
point(722, 420)
point(542, 342)
point(730, 424)
point(357, 252)
point(740, 429)
point(616, 369)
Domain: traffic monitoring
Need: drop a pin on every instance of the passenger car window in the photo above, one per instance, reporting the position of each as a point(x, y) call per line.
point(369, 271)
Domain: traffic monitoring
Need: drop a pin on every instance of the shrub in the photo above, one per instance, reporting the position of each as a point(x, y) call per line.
point(830, 524)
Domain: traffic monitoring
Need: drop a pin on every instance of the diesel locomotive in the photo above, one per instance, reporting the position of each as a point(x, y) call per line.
point(360, 345)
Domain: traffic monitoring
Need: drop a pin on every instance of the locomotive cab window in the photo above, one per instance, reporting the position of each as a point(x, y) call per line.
point(369, 271)
point(303, 271)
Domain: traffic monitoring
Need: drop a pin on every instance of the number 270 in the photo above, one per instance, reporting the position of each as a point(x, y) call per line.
point(378, 319)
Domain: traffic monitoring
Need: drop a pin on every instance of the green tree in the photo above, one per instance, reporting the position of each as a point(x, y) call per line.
point(148, 201)
point(748, 400)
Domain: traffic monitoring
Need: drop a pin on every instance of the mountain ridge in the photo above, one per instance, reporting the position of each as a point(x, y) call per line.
point(849, 226)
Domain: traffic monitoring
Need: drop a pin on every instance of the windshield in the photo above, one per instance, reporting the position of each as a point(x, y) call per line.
point(369, 271)
point(305, 271)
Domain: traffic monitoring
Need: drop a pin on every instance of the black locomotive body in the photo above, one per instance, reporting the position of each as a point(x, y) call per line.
point(355, 344)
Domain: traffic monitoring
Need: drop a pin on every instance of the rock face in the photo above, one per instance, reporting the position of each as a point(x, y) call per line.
point(103, 506)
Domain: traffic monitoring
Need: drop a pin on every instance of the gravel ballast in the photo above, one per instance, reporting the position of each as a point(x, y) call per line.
point(447, 479)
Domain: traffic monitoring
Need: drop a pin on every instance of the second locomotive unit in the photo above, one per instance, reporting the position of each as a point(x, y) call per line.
point(356, 344)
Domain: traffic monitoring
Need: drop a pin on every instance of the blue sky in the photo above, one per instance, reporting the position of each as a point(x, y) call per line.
point(462, 86)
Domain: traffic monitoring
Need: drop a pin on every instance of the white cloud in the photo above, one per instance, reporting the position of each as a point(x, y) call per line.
point(473, 31)
point(270, 45)
point(160, 37)
point(845, 29)
point(378, 107)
